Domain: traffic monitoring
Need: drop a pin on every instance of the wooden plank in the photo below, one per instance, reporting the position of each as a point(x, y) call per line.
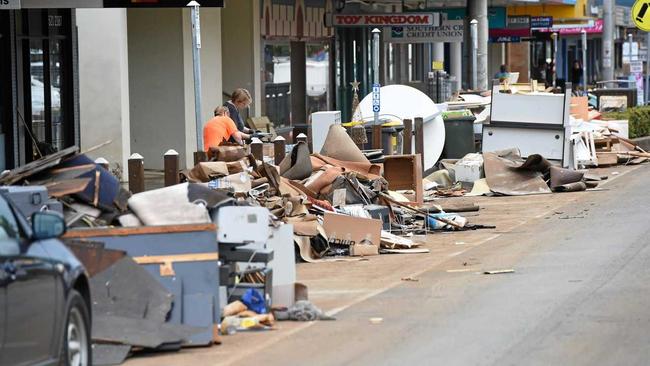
point(376, 137)
point(192, 257)
point(143, 230)
point(66, 187)
point(166, 261)
point(408, 137)
point(419, 138)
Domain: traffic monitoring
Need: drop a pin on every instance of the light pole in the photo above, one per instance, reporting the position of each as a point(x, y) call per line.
point(473, 26)
point(584, 60)
point(196, 60)
point(375, 68)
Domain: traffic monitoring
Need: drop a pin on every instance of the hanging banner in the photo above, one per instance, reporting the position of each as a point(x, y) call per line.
point(448, 31)
point(382, 20)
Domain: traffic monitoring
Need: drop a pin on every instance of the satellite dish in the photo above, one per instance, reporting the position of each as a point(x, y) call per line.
point(405, 102)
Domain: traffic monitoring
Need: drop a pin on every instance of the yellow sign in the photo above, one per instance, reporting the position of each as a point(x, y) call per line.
point(437, 65)
point(641, 14)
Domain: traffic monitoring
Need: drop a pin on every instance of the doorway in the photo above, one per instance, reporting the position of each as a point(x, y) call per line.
point(45, 101)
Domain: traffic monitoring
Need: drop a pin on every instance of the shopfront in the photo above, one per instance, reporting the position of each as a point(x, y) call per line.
point(38, 102)
point(296, 60)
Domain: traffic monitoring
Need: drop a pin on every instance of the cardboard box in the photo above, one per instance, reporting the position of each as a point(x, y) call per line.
point(363, 235)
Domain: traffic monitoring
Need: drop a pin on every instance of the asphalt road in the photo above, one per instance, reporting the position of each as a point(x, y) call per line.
point(579, 296)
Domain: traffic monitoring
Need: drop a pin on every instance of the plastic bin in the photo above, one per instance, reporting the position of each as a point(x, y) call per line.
point(459, 134)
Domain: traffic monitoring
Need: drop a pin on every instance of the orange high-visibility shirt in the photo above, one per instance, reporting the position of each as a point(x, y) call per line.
point(217, 130)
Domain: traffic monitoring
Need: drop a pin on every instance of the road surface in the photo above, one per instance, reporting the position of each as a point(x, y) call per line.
point(580, 295)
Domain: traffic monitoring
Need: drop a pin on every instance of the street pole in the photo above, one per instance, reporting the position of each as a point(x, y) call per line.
point(647, 71)
point(473, 27)
point(584, 61)
point(608, 40)
point(554, 68)
point(196, 60)
point(375, 66)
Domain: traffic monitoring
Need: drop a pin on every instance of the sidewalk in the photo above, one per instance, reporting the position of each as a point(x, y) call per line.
point(336, 286)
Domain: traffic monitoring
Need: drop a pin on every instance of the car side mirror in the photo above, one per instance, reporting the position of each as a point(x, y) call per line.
point(47, 225)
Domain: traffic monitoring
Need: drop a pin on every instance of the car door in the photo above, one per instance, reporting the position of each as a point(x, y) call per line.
point(31, 297)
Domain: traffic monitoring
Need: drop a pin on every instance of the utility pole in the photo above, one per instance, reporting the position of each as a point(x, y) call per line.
point(473, 34)
point(478, 10)
point(196, 61)
point(608, 40)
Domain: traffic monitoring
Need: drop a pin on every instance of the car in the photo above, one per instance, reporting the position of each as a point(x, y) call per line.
point(45, 316)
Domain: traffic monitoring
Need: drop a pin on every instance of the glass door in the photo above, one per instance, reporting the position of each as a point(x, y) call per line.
point(44, 70)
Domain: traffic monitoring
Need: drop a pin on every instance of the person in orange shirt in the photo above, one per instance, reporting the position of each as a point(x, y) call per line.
point(221, 128)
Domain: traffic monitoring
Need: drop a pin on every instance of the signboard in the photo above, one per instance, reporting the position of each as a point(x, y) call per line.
point(628, 55)
point(636, 66)
point(159, 3)
point(595, 27)
point(541, 22)
point(382, 20)
point(9, 4)
point(375, 97)
point(448, 31)
point(518, 27)
point(505, 39)
point(496, 15)
point(518, 22)
point(641, 15)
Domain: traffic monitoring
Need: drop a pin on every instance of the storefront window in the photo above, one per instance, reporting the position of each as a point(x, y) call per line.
point(317, 77)
point(56, 83)
point(37, 89)
point(277, 83)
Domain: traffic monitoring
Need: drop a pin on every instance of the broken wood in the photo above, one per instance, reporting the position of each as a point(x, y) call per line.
point(166, 261)
point(426, 214)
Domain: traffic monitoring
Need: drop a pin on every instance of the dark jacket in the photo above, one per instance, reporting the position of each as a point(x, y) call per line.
point(234, 115)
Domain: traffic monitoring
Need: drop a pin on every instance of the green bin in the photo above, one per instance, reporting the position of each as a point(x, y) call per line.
point(459, 134)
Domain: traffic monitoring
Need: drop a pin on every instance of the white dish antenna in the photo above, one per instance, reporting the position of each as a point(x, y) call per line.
point(405, 102)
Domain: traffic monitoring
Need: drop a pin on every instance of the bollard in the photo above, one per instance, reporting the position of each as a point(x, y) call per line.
point(407, 148)
point(419, 139)
point(301, 137)
point(376, 137)
point(278, 149)
point(170, 161)
point(136, 173)
point(200, 157)
point(102, 162)
point(257, 148)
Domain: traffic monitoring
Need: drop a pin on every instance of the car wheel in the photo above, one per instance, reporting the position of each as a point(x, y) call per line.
point(76, 349)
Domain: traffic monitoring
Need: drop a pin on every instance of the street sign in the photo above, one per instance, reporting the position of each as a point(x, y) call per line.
point(641, 14)
point(636, 66)
point(375, 97)
point(9, 4)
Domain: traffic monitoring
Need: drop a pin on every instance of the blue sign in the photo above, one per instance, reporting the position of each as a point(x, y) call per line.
point(505, 39)
point(375, 97)
point(541, 22)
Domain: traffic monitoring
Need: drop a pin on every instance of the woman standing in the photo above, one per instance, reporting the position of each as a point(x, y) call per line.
point(239, 100)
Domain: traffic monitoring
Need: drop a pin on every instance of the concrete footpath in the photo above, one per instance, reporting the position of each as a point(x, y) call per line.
point(354, 292)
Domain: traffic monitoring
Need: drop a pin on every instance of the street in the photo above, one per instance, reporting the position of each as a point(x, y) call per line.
point(578, 297)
